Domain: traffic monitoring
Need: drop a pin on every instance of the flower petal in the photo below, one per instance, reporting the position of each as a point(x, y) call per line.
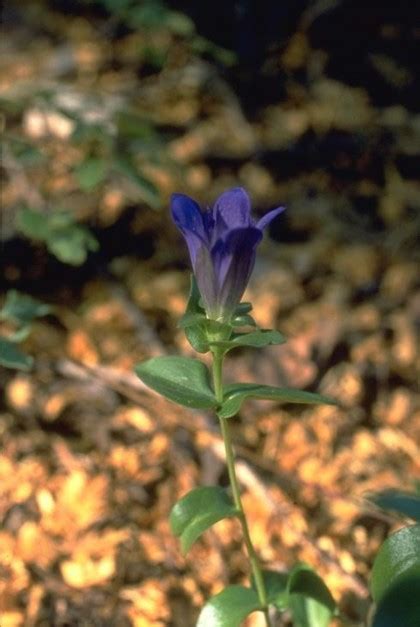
point(265, 220)
point(206, 280)
point(187, 214)
point(232, 210)
point(233, 260)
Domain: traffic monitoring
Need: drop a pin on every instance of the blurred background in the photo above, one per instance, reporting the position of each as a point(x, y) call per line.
point(107, 107)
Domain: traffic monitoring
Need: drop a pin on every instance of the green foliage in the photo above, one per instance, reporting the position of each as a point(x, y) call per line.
point(12, 357)
point(146, 189)
point(197, 511)
point(194, 320)
point(113, 148)
point(400, 603)
point(237, 393)
point(203, 333)
point(181, 379)
point(151, 16)
point(405, 503)
point(199, 330)
point(303, 593)
point(398, 557)
point(20, 310)
point(276, 588)
point(229, 608)
point(256, 339)
point(90, 173)
point(65, 239)
point(309, 599)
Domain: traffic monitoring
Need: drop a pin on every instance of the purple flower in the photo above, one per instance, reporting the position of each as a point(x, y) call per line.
point(222, 243)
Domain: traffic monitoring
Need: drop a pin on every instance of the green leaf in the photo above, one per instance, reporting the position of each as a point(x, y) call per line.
point(68, 241)
point(399, 554)
point(255, 339)
point(180, 24)
point(276, 588)
point(406, 503)
point(22, 308)
point(12, 357)
point(310, 601)
point(146, 189)
point(181, 379)
point(32, 223)
point(237, 393)
point(229, 608)
point(71, 245)
point(197, 511)
point(90, 173)
point(20, 334)
point(400, 603)
point(132, 125)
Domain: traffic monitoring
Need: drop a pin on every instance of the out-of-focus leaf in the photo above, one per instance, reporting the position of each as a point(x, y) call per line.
point(150, 14)
point(20, 334)
point(90, 173)
point(68, 241)
point(310, 601)
point(12, 357)
point(132, 125)
point(32, 223)
point(22, 309)
point(237, 393)
point(26, 154)
point(400, 603)
point(406, 503)
point(197, 511)
point(146, 189)
point(180, 24)
point(229, 608)
point(399, 555)
point(71, 245)
point(181, 379)
point(201, 45)
point(116, 6)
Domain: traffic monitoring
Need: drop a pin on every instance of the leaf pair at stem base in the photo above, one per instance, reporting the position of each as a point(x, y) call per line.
point(186, 381)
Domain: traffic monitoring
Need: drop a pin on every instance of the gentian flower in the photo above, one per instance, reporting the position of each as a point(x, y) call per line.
point(222, 244)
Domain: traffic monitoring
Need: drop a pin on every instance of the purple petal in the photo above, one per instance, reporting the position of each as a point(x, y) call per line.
point(232, 210)
point(234, 260)
point(206, 280)
point(265, 220)
point(187, 215)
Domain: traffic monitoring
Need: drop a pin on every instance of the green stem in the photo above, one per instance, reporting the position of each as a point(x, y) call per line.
point(218, 356)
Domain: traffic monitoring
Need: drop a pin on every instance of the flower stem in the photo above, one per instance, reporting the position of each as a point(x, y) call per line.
point(218, 356)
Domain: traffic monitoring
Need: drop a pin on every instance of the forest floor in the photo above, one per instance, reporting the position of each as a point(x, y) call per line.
point(91, 461)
